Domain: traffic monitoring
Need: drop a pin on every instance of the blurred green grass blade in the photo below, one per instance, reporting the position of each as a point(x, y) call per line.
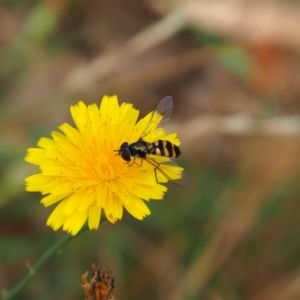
point(40, 24)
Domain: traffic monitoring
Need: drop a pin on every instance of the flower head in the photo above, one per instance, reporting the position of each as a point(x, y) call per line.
point(81, 173)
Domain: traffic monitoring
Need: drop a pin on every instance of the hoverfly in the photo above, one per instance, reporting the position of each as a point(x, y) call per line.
point(153, 152)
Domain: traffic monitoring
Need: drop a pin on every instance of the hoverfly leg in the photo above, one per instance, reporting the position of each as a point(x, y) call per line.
point(130, 163)
point(140, 163)
point(155, 171)
point(134, 162)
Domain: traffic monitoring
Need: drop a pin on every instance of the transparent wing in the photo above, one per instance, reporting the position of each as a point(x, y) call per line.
point(164, 108)
point(169, 170)
point(163, 111)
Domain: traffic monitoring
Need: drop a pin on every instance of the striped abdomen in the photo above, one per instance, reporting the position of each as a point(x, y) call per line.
point(164, 148)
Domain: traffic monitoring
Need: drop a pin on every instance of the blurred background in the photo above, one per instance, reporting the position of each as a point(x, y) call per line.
point(233, 69)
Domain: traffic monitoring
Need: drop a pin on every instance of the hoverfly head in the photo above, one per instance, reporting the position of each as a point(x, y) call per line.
point(124, 152)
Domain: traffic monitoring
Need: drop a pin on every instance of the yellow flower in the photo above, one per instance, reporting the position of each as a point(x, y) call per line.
point(81, 173)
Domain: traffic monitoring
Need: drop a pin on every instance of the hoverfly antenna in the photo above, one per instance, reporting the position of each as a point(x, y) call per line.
point(118, 151)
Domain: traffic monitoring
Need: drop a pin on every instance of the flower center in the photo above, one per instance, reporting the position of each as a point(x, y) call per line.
point(107, 170)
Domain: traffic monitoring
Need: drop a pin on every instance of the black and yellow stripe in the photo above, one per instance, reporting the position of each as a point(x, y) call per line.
point(164, 148)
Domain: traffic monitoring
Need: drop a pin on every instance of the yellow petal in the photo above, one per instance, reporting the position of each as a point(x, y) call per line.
point(94, 217)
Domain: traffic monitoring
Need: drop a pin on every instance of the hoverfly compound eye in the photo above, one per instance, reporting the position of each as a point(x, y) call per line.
point(125, 152)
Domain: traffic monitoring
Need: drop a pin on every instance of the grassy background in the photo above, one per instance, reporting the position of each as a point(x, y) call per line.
point(234, 73)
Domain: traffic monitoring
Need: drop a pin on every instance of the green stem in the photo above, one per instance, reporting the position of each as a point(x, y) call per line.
point(33, 270)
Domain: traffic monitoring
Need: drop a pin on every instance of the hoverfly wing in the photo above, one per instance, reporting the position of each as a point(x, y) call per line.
point(182, 182)
point(164, 108)
point(165, 169)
